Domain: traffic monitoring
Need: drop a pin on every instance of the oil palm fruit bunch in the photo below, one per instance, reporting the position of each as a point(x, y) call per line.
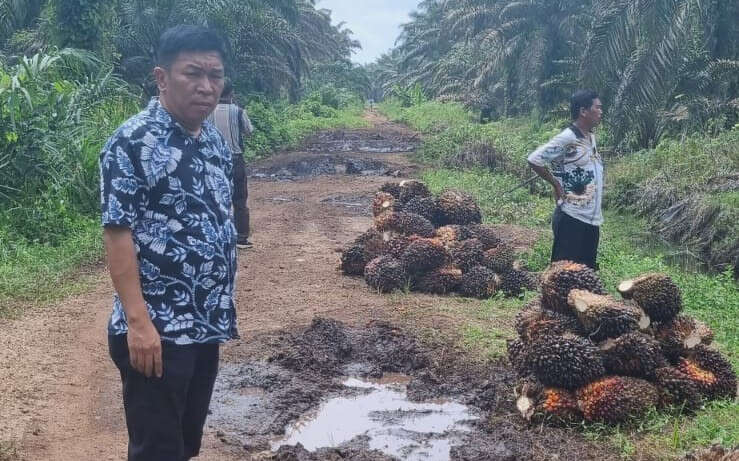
point(440, 281)
point(457, 207)
point(603, 317)
point(563, 276)
point(500, 258)
point(385, 274)
point(656, 293)
point(676, 388)
point(479, 282)
point(682, 334)
point(533, 322)
point(537, 402)
point(567, 361)
point(519, 354)
point(411, 188)
point(633, 354)
point(423, 255)
point(452, 233)
point(404, 224)
point(487, 235)
point(353, 260)
point(614, 399)
point(423, 206)
point(392, 188)
point(466, 254)
point(710, 371)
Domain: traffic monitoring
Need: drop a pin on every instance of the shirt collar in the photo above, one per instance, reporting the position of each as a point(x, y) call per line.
point(579, 134)
point(162, 115)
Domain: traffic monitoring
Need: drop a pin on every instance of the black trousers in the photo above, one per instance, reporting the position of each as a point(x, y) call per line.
point(165, 416)
point(574, 240)
point(241, 193)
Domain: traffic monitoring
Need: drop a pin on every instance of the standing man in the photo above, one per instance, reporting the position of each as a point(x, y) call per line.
point(571, 164)
point(233, 123)
point(170, 241)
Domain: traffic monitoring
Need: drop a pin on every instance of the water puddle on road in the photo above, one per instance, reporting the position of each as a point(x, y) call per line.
point(382, 412)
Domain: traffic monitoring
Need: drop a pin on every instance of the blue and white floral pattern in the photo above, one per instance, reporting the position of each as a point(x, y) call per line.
point(174, 192)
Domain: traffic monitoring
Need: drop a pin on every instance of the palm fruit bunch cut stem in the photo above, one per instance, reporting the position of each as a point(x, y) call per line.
point(423, 255)
point(676, 388)
point(682, 334)
point(533, 322)
point(411, 188)
point(457, 207)
point(385, 274)
point(499, 259)
point(382, 203)
point(479, 282)
point(487, 235)
point(615, 399)
point(439, 281)
point(466, 254)
point(537, 402)
point(452, 233)
point(710, 371)
point(563, 276)
point(567, 361)
point(603, 317)
point(405, 224)
point(633, 354)
point(656, 293)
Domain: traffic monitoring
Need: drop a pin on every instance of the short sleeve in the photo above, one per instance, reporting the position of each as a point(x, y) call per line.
point(122, 189)
point(246, 123)
point(553, 151)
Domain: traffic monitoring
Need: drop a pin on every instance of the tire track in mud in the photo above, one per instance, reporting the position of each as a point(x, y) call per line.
point(64, 399)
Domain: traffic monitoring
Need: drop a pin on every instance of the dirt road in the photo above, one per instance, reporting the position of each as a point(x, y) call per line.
point(60, 394)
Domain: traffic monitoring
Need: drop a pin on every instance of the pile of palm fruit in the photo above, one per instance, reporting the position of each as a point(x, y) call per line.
point(582, 354)
point(433, 244)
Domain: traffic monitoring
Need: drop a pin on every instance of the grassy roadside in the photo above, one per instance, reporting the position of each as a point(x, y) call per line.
point(35, 273)
point(628, 248)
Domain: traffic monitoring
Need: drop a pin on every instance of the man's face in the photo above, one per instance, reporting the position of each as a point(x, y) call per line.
point(594, 114)
point(191, 87)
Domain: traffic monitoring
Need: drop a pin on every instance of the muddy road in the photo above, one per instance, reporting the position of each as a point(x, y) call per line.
point(316, 347)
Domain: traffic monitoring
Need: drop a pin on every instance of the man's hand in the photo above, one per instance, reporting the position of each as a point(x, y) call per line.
point(144, 343)
point(544, 173)
point(145, 347)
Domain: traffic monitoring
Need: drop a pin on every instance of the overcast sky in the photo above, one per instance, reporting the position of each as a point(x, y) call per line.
point(375, 23)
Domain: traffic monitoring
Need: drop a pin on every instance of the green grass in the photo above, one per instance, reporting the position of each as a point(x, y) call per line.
point(34, 273)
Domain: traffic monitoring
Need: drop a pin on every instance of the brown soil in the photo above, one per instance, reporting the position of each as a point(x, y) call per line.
point(60, 396)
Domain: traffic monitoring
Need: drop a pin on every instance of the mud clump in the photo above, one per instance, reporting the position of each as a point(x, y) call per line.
point(327, 347)
point(347, 452)
point(320, 165)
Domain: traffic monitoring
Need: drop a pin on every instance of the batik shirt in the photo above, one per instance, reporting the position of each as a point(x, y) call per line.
point(174, 192)
point(575, 163)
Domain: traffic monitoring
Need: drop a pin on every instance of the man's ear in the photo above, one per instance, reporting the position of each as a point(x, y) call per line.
point(160, 75)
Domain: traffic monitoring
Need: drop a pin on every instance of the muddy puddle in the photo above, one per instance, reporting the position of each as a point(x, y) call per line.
point(319, 165)
point(391, 423)
point(362, 141)
point(373, 393)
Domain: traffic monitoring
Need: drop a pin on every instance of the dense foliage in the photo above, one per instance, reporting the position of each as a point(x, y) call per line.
point(664, 66)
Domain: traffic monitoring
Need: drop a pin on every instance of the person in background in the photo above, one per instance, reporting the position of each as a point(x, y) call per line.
point(571, 164)
point(233, 122)
point(170, 241)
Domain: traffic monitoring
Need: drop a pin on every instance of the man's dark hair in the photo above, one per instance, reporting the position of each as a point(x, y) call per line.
point(581, 99)
point(181, 38)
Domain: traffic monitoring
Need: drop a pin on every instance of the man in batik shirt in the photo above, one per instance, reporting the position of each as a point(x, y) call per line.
point(170, 240)
point(571, 164)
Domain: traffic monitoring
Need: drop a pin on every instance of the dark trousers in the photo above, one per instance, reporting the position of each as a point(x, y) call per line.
point(165, 416)
point(241, 193)
point(574, 240)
